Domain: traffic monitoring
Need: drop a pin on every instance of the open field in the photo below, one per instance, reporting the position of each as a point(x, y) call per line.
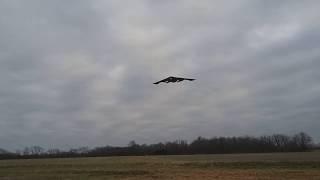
point(233, 166)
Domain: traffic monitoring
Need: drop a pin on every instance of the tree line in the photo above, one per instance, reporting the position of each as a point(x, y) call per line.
point(217, 145)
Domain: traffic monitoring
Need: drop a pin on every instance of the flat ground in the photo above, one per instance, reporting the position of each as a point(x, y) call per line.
point(292, 166)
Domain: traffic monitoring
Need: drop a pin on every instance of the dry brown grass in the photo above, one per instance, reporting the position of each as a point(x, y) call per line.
point(294, 166)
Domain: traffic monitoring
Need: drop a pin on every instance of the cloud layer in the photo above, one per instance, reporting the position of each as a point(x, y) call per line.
point(76, 73)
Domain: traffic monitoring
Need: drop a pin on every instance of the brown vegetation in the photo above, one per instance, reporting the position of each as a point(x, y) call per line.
point(232, 166)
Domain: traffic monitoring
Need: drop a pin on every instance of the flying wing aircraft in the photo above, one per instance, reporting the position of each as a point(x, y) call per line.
point(172, 79)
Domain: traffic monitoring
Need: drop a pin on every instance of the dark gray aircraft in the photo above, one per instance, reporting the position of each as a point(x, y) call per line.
point(172, 79)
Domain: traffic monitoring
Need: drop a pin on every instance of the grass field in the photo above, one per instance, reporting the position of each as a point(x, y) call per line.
point(233, 166)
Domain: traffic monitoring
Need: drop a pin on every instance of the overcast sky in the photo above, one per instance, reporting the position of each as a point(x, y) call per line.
point(79, 73)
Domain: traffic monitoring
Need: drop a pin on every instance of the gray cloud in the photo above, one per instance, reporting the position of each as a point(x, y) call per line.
point(81, 72)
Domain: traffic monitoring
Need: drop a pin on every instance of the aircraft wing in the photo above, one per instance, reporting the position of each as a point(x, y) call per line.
point(163, 80)
point(189, 79)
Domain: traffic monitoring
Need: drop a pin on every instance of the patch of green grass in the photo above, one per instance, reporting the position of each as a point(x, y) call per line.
point(254, 165)
point(111, 172)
